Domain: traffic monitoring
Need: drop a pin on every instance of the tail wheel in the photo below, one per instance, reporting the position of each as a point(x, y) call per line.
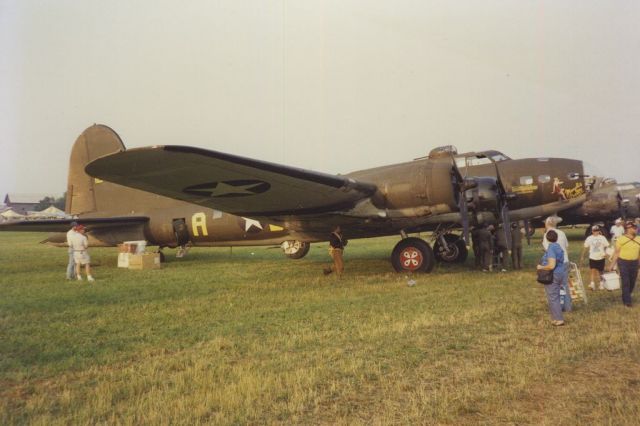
point(295, 249)
point(457, 252)
point(412, 255)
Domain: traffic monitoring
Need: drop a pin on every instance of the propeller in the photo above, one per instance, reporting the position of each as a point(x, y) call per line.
point(462, 185)
point(489, 194)
point(502, 199)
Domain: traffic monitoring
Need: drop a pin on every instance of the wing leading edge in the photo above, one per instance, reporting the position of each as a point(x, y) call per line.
point(230, 183)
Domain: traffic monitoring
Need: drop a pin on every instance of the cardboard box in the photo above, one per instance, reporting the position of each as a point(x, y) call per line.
point(144, 261)
point(123, 260)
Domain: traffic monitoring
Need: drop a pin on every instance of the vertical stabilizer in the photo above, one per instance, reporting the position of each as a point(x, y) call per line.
point(94, 142)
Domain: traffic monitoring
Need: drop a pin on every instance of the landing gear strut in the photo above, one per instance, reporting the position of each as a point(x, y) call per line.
point(450, 248)
point(412, 255)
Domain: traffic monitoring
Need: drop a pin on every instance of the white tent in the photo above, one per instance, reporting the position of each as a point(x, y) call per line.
point(50, 212)
point(11, 215)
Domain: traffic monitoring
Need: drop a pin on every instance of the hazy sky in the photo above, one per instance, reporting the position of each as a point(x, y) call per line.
point(333, 86)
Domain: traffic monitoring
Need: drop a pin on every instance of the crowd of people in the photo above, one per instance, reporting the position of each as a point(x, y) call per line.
point(625, 257)
point(491, 250)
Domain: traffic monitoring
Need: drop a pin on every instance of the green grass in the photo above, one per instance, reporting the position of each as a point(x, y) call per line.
point(247, 336)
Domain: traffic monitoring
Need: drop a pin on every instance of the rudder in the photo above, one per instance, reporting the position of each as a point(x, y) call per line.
point(94, 142)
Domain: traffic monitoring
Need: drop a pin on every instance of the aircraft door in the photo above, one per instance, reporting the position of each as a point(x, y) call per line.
point(181, 231)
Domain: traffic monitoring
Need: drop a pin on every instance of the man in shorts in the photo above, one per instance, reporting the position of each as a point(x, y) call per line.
point(71, 265)
point(597, 244)
point(79, 243)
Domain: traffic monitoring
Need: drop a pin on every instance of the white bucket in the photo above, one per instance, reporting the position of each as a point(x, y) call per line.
point(611, 280)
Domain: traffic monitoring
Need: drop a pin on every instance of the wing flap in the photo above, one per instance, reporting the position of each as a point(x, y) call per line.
point(230, 183)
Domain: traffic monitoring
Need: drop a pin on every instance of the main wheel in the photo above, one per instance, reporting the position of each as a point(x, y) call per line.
point(457, 252)
point(412, 255)
point(295, 249)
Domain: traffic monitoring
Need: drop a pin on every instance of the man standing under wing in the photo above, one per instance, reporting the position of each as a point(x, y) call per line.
point(336, 248)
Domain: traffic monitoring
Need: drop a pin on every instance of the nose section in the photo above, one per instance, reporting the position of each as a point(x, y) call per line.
point(567, 178)
point(542, 181)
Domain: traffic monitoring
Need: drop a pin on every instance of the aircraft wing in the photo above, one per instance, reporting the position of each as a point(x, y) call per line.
point(230, 183)
point(63, 225)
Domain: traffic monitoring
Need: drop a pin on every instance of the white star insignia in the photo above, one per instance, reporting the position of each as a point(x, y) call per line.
point(226, 189)
point(248, 223)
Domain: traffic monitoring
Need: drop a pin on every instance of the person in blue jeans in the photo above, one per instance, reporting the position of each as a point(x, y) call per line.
point(551, 223)
point(553, 260)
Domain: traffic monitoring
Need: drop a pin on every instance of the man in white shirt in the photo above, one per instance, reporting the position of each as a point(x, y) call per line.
point(79, 243)
point(616, 231)
point(597, 244)
point(549, 224)
point(71, 265)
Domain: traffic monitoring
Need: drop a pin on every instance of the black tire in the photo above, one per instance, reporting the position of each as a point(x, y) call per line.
point(457, 250)
point(412, 255)
point(295, 249)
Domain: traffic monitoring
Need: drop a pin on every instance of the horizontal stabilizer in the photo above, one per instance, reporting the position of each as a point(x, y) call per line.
point(63, 225)
point(230, 183)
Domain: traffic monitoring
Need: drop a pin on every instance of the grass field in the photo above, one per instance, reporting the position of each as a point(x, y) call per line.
point(250, 337)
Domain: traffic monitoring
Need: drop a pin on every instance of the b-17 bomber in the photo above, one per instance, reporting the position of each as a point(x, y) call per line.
point(174, 196)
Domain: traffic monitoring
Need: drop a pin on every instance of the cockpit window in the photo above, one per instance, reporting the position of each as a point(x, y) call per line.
point(477, 161)
point(499, 157)
point(544, 178)
point(480, 159)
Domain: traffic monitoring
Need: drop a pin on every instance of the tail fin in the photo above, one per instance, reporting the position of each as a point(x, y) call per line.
point(94, 142)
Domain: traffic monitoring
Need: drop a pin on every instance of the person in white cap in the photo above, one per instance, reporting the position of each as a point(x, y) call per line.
point(596, 243)
point(80, 243)
point(616, 231)
point(71, 265)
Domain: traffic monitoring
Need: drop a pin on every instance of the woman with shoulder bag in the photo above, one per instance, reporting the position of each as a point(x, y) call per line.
point(552, 261)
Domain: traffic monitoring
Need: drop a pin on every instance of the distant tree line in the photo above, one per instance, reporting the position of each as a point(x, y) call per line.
point(52, 201)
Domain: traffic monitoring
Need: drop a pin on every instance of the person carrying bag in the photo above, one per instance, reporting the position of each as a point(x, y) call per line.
point(551, 273)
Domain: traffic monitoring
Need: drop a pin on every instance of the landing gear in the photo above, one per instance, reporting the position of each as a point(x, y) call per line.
point(412, 255)
point(295, 249)
point(162, 258)
point(455, 250)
